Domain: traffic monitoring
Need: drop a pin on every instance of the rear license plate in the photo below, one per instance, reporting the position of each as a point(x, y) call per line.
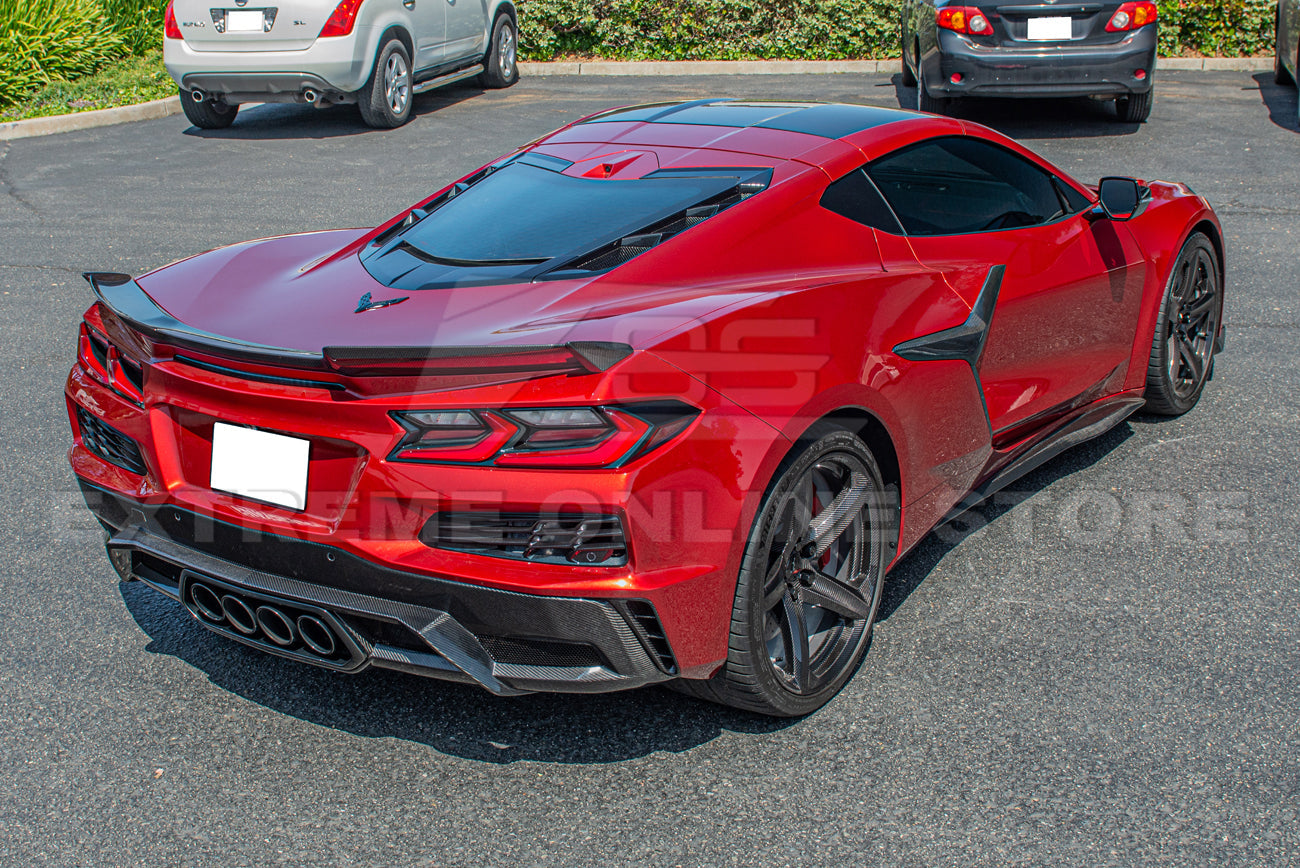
point(243, 20)
point(260, 465)
point(1049, 28)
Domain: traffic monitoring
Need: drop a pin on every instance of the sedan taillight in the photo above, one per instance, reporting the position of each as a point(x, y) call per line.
point(545, 437)
point(1131, 16)
point(963, 19)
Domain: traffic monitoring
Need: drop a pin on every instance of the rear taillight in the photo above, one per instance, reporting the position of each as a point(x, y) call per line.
point(98, 357)
point(343, 19)
point(1131, 16)
point(170, 29)
point(554, 437)
point(963, 19)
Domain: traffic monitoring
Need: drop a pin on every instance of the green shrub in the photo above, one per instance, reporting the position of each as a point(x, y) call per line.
point(51, 40)
point(138, 22)
point(819, 29)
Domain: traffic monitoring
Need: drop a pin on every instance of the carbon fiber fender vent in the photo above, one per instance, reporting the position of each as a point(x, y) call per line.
point(645, 623)
point(109, 443)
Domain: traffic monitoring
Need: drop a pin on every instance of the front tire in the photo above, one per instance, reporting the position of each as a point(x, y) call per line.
point(810, 581)
point(909, 78)
point(501, 63)
point(385, 100)
point(1135, 108)
point(209, 114)
point(1280, 74)
point(1187, 330)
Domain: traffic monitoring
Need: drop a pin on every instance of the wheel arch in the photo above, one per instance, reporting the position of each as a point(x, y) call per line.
point(1211, 231)
point(402, 35)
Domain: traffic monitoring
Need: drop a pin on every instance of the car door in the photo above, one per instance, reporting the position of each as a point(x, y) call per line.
point(1062, 326)
point(466, 28)
point(429, 21)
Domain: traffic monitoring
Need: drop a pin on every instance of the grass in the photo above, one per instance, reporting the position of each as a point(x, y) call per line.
point(126, 81)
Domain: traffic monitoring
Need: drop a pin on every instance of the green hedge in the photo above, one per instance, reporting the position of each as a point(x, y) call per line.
point(820, 29)
point(49, 41)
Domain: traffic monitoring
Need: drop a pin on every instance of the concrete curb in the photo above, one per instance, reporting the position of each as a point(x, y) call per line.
point(159, 108)
point(822, 67)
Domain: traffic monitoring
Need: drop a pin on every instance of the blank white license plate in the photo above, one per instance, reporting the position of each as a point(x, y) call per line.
point(244, 20)
point(260, 465)
point(1049, 28)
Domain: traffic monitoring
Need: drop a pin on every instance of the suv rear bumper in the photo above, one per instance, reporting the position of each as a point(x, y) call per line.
point(339, 65)
point(504, 641)
point(1072, 70)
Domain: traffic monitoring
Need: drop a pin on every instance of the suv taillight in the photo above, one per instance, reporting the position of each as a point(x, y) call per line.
point(1131, 16)
point(343, 19)
point(170, 29)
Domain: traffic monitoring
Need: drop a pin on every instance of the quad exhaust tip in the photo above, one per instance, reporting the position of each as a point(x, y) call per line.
point(265, 622)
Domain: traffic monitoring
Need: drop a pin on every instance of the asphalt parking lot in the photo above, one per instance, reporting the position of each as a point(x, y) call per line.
point(1100, 668)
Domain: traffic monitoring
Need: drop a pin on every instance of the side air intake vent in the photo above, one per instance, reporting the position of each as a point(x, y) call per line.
point(109, 443)
point(645, 623)
point(541, 652)
point(589, 540)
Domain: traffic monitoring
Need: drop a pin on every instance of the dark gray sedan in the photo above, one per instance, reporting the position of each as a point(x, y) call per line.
point(1050, 48)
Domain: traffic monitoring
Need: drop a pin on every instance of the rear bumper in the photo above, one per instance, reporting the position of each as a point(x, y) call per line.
point(340, 65)
point(506, 642)
point(1071, 70)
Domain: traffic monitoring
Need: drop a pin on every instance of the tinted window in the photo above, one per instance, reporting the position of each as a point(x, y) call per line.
point(951, 186)
point(527, 213)
point(855, 197)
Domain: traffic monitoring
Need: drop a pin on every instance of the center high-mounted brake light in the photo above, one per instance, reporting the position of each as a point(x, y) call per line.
point(343, 19)
point(557, 437)
point(170, 29)
point(963, 19)
point(1131, 16)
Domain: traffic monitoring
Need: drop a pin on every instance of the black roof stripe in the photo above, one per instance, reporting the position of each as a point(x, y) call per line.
point(827, 120)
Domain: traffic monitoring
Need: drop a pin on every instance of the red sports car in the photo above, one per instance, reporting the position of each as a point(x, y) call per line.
point(660, 397)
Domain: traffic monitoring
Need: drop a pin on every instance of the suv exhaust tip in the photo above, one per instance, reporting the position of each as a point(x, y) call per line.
point(198, 95)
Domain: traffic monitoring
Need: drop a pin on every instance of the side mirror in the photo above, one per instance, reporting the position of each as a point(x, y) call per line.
point(1120, 199)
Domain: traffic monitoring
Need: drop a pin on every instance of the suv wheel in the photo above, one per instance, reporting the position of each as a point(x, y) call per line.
point(385, 100)
point(501, 63)
point(210, 114)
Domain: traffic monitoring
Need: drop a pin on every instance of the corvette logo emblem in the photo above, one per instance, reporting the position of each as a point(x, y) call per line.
point(364, 303)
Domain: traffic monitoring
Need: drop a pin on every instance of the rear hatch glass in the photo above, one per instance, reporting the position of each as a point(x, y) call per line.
point(258, 25)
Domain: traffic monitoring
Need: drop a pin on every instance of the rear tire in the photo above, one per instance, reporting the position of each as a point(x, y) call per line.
point(802, 621)
point(501, 63)
point(209, 114)
point(385, 100)
point(1280, 74)
point(926, 102)
point(1187, 330)
point(1135, 108)
point(909, 79)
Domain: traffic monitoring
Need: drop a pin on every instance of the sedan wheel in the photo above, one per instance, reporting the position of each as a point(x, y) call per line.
point(1182, 350)
point(810, 583)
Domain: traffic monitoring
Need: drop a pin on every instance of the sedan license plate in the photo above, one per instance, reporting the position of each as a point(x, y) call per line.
point(1049, 28)
point(244, 20)
point(260, 465)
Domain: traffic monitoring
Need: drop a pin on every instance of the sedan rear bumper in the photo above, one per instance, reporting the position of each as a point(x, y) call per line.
point(1072, 70)
point(325, 606)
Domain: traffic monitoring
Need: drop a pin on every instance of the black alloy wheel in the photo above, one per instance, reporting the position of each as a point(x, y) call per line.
point(1187, 330)
point(810, 582)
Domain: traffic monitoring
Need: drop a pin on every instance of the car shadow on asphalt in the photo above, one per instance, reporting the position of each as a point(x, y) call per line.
point(275, 121)
point(1280, 100)
point(454, 719)
point(1062, 118)
point(912, 570)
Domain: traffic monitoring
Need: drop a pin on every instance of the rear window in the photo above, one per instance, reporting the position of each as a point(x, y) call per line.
point(524, 213)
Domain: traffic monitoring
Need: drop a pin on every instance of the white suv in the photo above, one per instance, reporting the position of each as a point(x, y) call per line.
point(375, 53)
